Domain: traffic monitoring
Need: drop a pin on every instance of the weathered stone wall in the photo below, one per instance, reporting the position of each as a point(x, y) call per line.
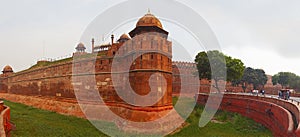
point(55, 80)
point(3, 84)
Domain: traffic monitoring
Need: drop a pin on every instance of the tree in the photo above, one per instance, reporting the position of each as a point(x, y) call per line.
point(216, 66)
point(256, 77)
point(295, 83)
point(286, 79)
point(275, 79)
point(247, 78)
point(261, 78)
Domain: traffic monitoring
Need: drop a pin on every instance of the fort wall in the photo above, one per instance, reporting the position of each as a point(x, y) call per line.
point(90, 75)
point(56, 80)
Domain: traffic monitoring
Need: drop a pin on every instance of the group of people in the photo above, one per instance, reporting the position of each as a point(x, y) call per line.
point(284, 94)
point(256, 92)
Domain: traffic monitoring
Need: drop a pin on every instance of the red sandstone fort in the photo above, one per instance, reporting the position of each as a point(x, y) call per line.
point(48, 78)
point(149, 52)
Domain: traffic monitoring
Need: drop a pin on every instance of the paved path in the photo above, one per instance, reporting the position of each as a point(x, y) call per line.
point(295, 100)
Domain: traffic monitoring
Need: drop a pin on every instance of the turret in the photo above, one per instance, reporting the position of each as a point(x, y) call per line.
point(80, 49)
point(7, 70)
point(149, 42)
point(148, 23)
point(123, 38)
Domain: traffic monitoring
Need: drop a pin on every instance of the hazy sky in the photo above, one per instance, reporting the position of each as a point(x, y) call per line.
point(262, 33)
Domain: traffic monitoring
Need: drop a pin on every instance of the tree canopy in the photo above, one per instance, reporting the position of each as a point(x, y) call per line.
point(286, 79)
point(256, 77)
point(214, 65)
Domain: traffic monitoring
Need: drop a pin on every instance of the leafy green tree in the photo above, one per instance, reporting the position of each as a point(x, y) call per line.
point(261, 78)
point(295, 83)
point(286, 79)
point(275, 79)
point(256, 77)
point(224, 67)
point(235, 68)
point(248, 78)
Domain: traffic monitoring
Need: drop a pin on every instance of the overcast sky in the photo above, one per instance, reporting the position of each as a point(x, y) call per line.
point(262, 33)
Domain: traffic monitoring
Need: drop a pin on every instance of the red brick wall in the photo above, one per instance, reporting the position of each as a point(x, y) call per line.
point(293, 107)
point(273, 116)
point(56, 80)
point(47, 81)
point(3, 84)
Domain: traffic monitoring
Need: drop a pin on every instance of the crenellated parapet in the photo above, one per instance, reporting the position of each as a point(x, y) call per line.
point(183, 64)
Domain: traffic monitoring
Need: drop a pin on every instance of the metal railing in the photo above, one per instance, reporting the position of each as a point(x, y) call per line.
point(55, 59)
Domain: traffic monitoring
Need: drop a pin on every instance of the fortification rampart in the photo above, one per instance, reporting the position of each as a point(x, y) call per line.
point(56, 79)
point(87, 76)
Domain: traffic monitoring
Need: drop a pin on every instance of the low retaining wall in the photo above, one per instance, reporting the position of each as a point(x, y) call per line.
point(273, 113)
point(5, 127)
point(289, 105)
point(71, 107)
point(278, 119)
point(104, 112)
point(59, 105)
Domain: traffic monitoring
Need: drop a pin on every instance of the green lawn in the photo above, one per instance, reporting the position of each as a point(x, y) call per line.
point(32, 122)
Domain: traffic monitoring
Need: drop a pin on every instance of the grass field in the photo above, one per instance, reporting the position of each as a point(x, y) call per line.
point(32, 122)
